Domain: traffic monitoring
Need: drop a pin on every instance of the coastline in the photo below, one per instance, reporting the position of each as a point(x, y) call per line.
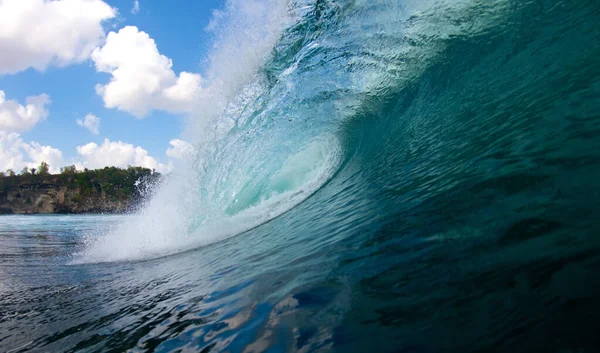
point(103, 191)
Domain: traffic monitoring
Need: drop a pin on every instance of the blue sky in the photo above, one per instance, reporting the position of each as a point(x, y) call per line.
point(178, 29)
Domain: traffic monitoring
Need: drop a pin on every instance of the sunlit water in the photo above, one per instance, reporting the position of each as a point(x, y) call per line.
point(391, 176)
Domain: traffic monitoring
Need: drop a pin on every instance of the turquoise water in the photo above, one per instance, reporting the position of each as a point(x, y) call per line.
point(391, 176)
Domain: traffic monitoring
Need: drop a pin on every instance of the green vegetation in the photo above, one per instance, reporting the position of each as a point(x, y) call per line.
point(115, 183)
point(43, 169)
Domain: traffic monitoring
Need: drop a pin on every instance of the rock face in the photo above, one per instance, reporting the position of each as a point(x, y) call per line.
point(54, 195)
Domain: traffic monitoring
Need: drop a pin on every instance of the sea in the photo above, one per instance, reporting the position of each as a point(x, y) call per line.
point(408, 176)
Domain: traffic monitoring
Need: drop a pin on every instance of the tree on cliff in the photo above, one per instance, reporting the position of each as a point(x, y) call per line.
point(10, 172)
point(25, 171)
point(44, 169)
point(68, 170)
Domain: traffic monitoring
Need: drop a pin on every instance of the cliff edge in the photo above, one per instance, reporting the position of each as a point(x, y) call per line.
point(108, 190)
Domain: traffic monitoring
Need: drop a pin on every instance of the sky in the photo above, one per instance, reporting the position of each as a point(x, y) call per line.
point(93, 83)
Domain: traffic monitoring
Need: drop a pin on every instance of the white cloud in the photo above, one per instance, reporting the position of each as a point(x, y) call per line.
point(38, 153)
point(179, 149)
point(142, 79)
point(118, 154)
point(136, 7)
point(90, 122)
point(16, 154)
point(40, 33)
point(11, 151)
point(15, 117)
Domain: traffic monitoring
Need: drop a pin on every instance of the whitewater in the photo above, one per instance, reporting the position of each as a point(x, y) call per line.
point(390, 176)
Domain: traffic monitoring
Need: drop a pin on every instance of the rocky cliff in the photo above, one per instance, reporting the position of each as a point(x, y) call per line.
point(85, 192)
point(51, 197)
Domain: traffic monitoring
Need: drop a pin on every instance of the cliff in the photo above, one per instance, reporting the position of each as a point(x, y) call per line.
point(108, 190)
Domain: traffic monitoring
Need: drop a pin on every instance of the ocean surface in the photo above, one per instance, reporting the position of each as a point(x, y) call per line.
point(366, 176)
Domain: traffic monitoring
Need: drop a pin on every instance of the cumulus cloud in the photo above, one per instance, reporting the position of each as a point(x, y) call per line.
point(136, 7)
point(38, 153)
point(142, 79)
point(40, 33)
point(179, 149)
point(11, 151)
point(16, 154)
point(15, 117)
point(119, 154)
point(90, 122)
